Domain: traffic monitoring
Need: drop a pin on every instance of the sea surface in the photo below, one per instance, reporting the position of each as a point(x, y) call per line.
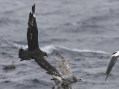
point(84, 31)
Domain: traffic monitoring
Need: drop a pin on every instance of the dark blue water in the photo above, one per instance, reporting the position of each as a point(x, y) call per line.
point(84, 31)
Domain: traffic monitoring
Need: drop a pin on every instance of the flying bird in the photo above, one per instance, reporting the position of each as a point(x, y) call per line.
point(32, 39)
point(111, 63)
point(68, 77)
point(33, 51)
point(63, 78)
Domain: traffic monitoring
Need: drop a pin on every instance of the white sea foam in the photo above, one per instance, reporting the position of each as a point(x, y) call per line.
point(83, 50)
point(20, 46)
point(50, 48)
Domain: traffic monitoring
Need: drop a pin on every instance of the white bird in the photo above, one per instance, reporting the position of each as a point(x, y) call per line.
point(111, 63)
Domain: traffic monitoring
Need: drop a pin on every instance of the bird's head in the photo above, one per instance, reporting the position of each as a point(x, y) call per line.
point(45, 54)
point(114, 52)
point(75, 79)
point(78, 79)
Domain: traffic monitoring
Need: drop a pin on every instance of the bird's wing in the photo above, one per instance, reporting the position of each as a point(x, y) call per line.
point(67, 87)
point(32, 31)
point(64, 65)
point(40, 60)
point(110, 66)
point(70, 86)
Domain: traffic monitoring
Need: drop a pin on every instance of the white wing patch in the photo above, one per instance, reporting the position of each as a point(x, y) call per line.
point(31, 36)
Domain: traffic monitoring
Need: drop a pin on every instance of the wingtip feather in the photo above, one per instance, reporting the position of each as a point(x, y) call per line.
point(33, 9)
point(106, 77)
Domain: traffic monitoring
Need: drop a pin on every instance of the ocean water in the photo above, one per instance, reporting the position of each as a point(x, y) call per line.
point(84, 31)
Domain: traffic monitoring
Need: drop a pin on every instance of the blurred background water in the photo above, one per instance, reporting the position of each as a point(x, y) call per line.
point(83, 31)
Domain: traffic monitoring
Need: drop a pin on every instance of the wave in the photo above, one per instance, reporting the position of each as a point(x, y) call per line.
point(50, 48)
